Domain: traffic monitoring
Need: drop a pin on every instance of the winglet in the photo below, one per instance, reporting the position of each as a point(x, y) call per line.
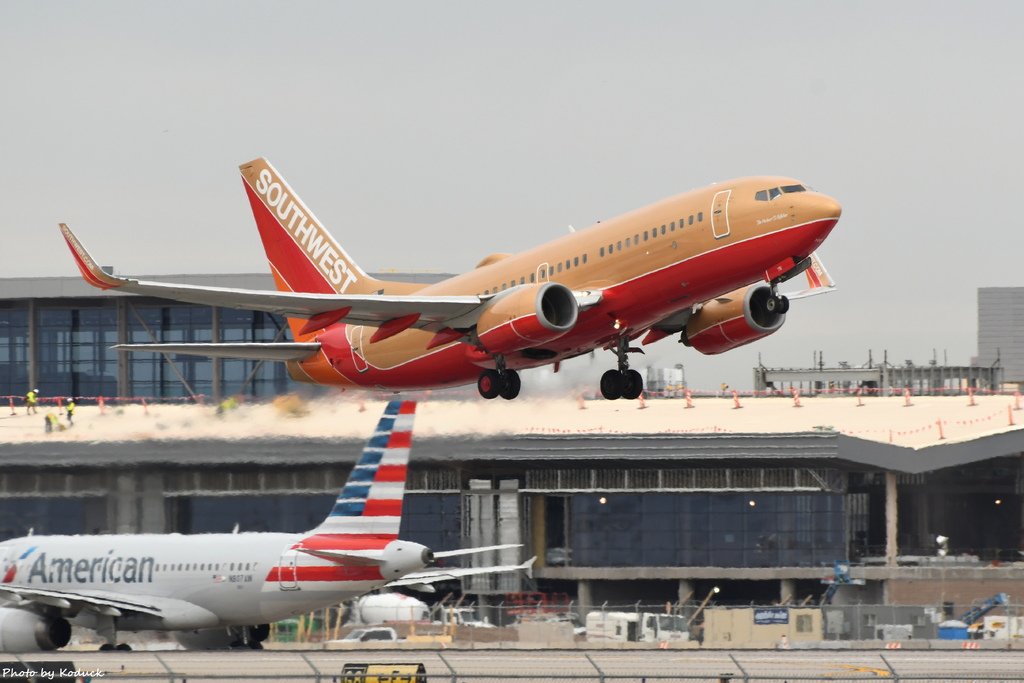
point(528, 566)
point(818, 280)
point(91, 272)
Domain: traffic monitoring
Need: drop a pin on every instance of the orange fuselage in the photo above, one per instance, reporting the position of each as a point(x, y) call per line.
point(647, 264)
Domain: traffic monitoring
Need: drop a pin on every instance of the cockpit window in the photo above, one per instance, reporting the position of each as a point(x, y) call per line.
point(768, 195)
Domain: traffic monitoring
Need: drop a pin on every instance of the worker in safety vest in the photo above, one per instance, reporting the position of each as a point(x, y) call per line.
point(71, 411)
point(31, 399)
point(50, 423)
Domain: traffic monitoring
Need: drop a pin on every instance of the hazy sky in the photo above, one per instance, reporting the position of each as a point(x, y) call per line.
point(427, 135)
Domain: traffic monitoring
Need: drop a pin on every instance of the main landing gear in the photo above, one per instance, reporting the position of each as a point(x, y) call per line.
point(622, 383)
point(501, 382)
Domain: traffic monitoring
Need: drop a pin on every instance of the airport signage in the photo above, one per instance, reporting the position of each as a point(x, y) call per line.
point(771, 615)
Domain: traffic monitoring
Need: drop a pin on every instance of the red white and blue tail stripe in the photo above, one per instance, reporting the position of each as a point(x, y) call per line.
point(371, 502)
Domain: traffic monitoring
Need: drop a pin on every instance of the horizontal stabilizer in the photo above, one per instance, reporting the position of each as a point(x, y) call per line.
point(349, 558)
point(434, 575)
point(277, 351)
point(473, 551)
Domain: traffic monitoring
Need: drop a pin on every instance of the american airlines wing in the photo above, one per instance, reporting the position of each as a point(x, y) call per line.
point(101, 602)
point(432, 312)
point(435, 575)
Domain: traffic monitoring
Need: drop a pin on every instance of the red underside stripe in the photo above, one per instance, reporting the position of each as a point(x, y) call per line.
point(407, 408)
point(346, 541)
point(376, 507)
point(332, 573)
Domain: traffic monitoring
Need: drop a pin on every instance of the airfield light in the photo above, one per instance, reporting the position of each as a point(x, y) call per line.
point(716, 590)
point(752, 503)
point(999, 501)
point(602, 500)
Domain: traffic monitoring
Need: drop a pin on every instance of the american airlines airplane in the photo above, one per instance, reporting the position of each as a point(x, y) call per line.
point(220, 590)
point(705, 265)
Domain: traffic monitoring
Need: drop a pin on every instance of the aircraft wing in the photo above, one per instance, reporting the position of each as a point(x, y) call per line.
point(435, 575)
point(276, 351)
point(101, 602)
point(432, 312)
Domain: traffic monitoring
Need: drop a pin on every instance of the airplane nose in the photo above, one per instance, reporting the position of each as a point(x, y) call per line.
point(828, 207)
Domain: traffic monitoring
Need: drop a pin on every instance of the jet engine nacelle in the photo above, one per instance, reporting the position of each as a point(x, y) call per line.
point(402, 557)
point(24, 631)
point(526, 316)
point(733, 320)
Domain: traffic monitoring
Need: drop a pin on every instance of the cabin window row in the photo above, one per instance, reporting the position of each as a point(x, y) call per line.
point(651, 234)
point(205, 566)
point(543, 271)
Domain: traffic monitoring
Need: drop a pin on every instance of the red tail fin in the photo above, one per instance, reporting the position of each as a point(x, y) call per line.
point(303, 256)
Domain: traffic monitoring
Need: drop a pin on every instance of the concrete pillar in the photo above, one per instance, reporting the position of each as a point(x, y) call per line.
point(216, 364)
point(787, 591)
point(33, 347)
point(122, 505)
point(124, 387)
point(685, 591)
point(584, 599)
point(890, 519)
point(153, 519)
point(538, 527)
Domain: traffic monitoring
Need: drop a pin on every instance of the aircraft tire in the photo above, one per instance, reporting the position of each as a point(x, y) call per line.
point(123, 647)
point(784, 308)
point(611, 385)
point(632, 384)
point(489, 384)
point(511, 385)
point(107, 647)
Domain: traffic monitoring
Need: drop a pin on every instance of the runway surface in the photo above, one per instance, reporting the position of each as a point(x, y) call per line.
point(543, 665)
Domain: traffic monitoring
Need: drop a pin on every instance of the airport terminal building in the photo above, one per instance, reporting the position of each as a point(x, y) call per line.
point(612, 516)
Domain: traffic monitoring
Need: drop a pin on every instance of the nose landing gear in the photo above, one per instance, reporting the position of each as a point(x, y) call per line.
point(622, 383)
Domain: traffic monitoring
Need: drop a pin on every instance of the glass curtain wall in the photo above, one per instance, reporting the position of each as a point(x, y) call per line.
point(722, 530)
point(150, 375)
point(249, 377)
point(74, 354)
point(14, 351)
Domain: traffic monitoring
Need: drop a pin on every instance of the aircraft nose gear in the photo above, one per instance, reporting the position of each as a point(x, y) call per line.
point(494, 383)
point(622, 383)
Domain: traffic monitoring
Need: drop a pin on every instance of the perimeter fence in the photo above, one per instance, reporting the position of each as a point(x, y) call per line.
point(517, 666)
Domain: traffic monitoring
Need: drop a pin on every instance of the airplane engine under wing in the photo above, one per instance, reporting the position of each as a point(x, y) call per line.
point(733, 320)
point(526, 316)
point(24, 631)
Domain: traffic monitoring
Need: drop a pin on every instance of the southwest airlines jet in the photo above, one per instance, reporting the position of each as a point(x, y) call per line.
point(217, 590)
point(705, 264)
